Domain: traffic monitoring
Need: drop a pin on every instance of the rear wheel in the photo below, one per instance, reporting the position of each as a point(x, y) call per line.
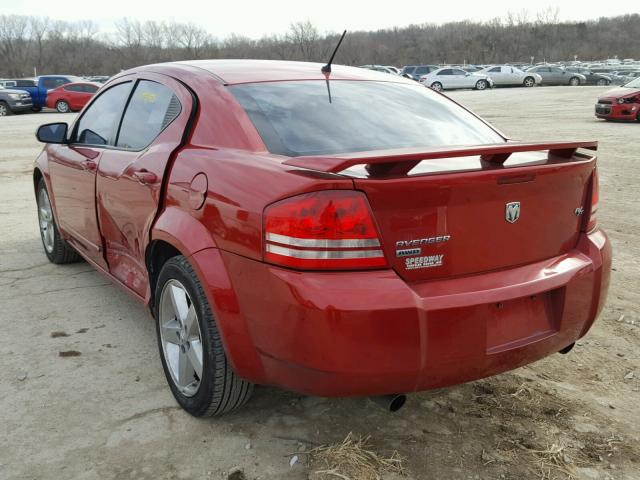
point(437, 86)
point(481, 85)
point(602, 82)
point(62, 106)
point(36, 109)
point(56, 249)
point(5, 110)
point(191, 350)
point(529, 82)
point(574, 81)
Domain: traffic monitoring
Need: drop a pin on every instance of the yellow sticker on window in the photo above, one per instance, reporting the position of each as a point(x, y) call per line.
point(148, 97)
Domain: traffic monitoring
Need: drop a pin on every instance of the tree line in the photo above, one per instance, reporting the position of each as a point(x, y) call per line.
point(38, 45)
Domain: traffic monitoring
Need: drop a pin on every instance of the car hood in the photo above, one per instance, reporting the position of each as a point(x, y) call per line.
point(619, 92)
point(11, 90)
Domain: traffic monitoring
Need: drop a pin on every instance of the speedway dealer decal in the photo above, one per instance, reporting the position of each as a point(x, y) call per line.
point(427, 261)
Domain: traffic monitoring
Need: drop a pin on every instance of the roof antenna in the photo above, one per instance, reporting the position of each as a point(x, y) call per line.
point(327, 67)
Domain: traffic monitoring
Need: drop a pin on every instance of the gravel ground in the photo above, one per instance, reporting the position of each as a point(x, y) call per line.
point(107, 413)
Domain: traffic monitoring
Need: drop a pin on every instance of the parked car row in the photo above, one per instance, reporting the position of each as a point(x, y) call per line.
point(65, 93)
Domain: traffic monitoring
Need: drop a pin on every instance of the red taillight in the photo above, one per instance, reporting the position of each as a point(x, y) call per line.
point(595, 196)
point(327, 230)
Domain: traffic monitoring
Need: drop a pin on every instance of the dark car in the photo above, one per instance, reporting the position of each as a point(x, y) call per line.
point(592, 77)
point(414, 72)
point(13, 101)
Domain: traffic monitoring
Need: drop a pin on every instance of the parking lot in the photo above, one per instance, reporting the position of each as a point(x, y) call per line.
point(83, 395)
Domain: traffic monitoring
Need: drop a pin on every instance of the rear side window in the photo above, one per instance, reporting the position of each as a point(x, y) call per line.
point(98, 124)
point(89, 88)
point(298, 118)
point(74, 88)
point(151, 109)
point(53, 82)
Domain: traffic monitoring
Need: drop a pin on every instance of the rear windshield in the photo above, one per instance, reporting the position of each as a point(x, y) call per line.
point(304, 118)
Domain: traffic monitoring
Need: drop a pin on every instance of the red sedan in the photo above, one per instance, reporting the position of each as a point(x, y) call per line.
point(622, 103)
point(285, 226)
point(72, 96)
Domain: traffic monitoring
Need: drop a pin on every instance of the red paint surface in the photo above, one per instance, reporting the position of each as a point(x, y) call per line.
point(75, 100)
point(506, 294)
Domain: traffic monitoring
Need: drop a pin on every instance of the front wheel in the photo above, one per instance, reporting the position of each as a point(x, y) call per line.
point(437, 86)
point(193, 358)
point(56, 249)
point(602, 82)
point(36, 109)
point(574, 81)
point(481, 85)
point(62, 106)
point(5, 111)
point(529, 82)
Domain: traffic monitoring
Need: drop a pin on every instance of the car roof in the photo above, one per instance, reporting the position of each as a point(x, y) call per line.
point(251, 71)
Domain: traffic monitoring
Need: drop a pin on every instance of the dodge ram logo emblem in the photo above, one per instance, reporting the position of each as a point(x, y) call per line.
point(512, 212)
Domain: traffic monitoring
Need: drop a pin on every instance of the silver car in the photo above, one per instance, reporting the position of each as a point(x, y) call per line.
point(449, 78)
point(552, 75)
point(505, 75)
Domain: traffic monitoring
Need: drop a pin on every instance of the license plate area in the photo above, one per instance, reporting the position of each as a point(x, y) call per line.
point(522, 321)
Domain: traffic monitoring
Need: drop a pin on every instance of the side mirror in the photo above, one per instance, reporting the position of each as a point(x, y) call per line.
point(52, 133)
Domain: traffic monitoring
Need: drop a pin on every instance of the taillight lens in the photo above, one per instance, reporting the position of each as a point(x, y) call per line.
point(326, 230)
point(595, 197)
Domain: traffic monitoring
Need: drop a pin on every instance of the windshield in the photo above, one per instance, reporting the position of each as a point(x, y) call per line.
point(633, 83)
point(299, 118)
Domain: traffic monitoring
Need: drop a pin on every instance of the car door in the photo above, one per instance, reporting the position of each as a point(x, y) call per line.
point(558, 76)
point(462, 79)
point(130, 174)
point(73, 168)
point(445, 77)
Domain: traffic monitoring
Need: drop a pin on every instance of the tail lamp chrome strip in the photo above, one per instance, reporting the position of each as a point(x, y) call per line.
point(316, 243)
point(323, 254)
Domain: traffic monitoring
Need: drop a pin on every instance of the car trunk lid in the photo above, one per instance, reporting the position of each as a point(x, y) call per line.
point(465, 210)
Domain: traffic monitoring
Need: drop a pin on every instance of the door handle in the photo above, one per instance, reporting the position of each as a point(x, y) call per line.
point(145, 176)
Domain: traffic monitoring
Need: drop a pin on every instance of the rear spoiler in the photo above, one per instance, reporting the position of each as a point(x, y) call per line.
point(399, 161)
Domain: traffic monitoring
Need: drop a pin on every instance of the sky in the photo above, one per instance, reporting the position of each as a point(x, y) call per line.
point(257, 18)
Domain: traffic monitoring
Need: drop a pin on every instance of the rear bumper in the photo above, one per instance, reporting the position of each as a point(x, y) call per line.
point(370, 333)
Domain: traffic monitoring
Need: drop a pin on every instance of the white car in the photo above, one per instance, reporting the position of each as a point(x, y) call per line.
point(503, 75)
point(449, 78)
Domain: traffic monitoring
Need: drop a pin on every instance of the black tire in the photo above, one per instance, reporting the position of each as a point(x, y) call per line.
point(5, 111)
point(574, 81)
point(482, 85)
point(602, 82)
point(220, 390)
point(62, 106)
point(529, 82)
point(437, 86)
point(36, 109)
point(61, 252)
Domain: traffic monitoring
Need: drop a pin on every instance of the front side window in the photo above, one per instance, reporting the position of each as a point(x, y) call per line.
point(298, 118)
point(151, 109)
point(99, 123)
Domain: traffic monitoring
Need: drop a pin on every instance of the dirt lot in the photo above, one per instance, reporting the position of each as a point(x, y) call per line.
point(108, 414)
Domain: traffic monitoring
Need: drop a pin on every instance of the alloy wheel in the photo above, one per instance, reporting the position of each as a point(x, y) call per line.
point(437, 86)
point(528, 82)
point(45, 216)
point(62, 107)
point(3, 110)
point(181, 337)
